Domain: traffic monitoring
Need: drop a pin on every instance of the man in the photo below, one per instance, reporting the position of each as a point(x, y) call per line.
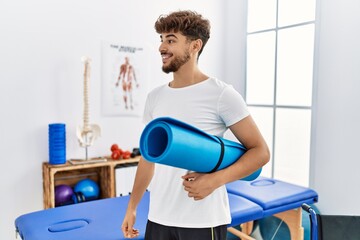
point(179, 208)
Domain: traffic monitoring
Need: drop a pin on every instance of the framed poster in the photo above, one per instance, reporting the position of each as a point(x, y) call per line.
point(124, 73)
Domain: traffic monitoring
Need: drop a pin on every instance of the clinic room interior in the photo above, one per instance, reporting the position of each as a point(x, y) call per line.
point(296, 64)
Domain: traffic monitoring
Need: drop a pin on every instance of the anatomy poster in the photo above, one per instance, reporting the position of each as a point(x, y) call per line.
point(124, 74)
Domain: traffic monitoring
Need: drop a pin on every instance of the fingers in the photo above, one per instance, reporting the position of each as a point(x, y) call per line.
point(192, 193)
point(188, 182)
point(129, 232)
point(188, 179)
point(195, 196)
point(197, 185)
point(190, 176)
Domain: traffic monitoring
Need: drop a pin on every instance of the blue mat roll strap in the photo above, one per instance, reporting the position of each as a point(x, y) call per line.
point(172, 142)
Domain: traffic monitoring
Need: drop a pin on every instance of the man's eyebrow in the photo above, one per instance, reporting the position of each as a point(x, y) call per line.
point(168, 35)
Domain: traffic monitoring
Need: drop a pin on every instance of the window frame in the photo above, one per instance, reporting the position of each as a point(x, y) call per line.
point(274, 106)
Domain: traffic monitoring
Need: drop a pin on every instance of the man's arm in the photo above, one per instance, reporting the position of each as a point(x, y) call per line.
point(256, 156)
point(144, 174)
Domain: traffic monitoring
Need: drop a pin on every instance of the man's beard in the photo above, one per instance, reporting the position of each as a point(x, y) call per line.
point(175, 64)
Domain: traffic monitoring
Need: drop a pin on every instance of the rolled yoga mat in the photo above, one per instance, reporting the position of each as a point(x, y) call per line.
point(172, 142)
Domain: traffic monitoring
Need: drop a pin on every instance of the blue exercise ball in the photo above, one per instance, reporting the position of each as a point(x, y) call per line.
point(89, 188)
point(272, 228)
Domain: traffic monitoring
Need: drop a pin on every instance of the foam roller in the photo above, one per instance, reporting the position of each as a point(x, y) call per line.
point(174, 143)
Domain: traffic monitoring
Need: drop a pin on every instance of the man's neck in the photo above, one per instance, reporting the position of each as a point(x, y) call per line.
point(187, 76)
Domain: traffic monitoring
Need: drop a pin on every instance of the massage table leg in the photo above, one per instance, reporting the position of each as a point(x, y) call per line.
point(247, 227)
point(240, 234)
point(293, 219)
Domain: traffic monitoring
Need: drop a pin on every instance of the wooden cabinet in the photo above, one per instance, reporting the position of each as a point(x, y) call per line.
point(102, 172)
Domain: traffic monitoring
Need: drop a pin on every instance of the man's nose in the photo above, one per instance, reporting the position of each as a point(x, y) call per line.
point(162, 47)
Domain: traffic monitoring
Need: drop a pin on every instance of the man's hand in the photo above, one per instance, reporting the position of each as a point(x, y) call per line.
point(198, 185)
point(127, 225)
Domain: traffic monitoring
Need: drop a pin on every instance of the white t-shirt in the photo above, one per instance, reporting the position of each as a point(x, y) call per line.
point(211, 106)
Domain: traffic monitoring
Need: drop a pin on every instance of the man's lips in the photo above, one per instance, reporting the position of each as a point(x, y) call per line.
point(165, 56)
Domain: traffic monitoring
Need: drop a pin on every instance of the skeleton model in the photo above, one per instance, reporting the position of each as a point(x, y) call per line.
point(87, 133)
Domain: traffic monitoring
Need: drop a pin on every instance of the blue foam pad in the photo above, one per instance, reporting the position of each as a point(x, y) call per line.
point(273, 195)
point(93, 220)
point(102, 219)
point(243, 210)
point(175, 143)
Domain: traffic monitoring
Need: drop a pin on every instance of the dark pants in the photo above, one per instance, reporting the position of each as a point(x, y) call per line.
point(156, 231)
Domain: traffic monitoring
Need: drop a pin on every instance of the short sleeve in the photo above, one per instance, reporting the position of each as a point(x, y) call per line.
point(147, 116)
point(232, 107)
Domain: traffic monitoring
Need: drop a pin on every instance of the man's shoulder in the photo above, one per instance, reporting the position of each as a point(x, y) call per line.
point(157, 90)
point(216, 85)
point(217, 82)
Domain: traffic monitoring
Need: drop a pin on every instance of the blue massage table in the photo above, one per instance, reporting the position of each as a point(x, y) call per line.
point(276, 198)
point(101, 219)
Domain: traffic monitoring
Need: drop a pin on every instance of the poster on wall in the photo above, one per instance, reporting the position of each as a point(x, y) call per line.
point(124, 72)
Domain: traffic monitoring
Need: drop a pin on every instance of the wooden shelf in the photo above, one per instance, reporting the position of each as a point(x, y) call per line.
point(101, 172)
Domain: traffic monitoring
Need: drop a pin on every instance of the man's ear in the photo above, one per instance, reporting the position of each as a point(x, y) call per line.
point(197, 45)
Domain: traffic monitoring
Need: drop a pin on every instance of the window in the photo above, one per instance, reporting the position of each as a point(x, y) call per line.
point(279, 76)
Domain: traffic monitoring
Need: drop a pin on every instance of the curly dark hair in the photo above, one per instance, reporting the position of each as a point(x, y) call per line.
point(191, 24)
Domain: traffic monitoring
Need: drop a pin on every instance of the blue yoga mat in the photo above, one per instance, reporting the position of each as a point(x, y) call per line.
point(172, 142)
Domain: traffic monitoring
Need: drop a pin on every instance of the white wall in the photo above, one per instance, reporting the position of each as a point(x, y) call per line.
point(235, 43)
point(41, 43)
point(335, 149)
